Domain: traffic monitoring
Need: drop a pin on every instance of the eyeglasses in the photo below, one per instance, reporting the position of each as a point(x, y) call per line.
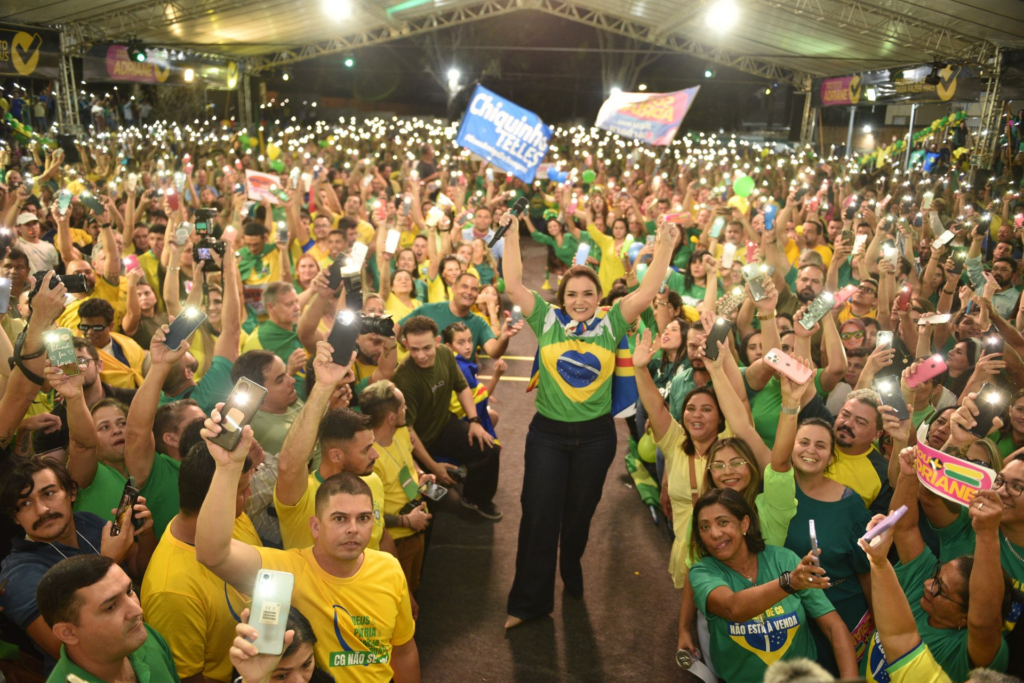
point(869, 290)
point(847, 336)
point(83, 363)
point(736, 464)
point(936, 590)
point(1014, 488)
point(663, 303)
point(95, 328)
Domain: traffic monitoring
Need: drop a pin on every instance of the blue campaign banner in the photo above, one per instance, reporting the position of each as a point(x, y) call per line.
point(651, 117)
point(508, 136)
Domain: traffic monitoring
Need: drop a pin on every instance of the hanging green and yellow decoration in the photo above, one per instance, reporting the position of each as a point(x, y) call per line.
point(880, 155)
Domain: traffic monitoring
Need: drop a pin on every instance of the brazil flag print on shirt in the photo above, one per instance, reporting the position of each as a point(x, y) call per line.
point(743, 650)
point(579, 364)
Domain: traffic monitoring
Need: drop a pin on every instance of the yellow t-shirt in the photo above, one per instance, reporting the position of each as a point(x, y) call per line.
point(358, 620)
point(917, 666)
point(388, 466)
point(195, 611)
point(826, 254)
point(856, 471)
point(396, 309)
point(294, 519)
point(436, 290)
point(846, 313)
point(115, 296)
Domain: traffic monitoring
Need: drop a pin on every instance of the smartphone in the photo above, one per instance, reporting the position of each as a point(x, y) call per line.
point(433, 491)
point(719, 332)
point(798, 372)
point(717, 226)
point(172, 199)
point(891, 253)
point(293, 176)
point(515, 316)
point(132, 182)
point(334, 272)
point(928, 369)
point(184, 326)
point(770, 212)
point(754, 274)
point(884, 338)
point(245, 399)
point(282, 232)
point(391, 242)
point(60, 348)
point(847, 236)
point(123, 517)
point(343, 337)
point(890, 394)
point(88, 200)
point(886, 524)
point(845, 294)
point(582, 254)
point(271, 602)
point(858, 244)
point(936, 319)
point(5, 295)
point(991, 401)
point(728, 254)
point(818, 309)
point(64, 201)
point(959, 257)
point(131, 262)
point(903, 300)
point(943, 239)
point(815, 551)
point(993, 341)
point(752, 253)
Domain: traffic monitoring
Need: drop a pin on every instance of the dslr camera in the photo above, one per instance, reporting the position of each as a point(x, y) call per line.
point(372, 324)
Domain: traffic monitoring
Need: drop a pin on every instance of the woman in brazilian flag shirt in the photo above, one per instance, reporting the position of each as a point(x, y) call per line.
point(572, 439)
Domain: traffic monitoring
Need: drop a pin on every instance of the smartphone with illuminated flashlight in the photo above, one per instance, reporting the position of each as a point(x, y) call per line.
point(343, 337)
point(889, 394)
point(60, 348)
point(243, 402)
point(991, 401)
point(719, 332)
point(184, 326)
point(815, 551)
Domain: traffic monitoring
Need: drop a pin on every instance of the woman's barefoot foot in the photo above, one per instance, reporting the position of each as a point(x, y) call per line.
point(512, 622)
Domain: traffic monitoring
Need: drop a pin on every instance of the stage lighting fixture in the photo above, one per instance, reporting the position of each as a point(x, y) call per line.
point(934, 78)
point(350, 60)
point(190, 75)
point(722, 15)
point(285, 76)
point(136, 52)
point(709, 73)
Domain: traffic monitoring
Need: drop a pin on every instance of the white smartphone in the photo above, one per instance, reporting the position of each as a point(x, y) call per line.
point(814, 543)
point(858, 244)
point(271, 600)
point(391, 242)
point(728, 254)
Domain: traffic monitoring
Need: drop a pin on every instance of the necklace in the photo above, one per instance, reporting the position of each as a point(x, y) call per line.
point(1010, 547)
point(80, 536)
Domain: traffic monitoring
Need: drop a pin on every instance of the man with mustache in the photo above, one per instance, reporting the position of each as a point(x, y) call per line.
point(92, 610)
point(858, 463)
point(39, 493)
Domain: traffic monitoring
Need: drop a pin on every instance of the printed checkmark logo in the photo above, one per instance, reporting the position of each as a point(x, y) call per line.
point(855, 89)
point(232, 74)
point(25, 55)
point(946, 87)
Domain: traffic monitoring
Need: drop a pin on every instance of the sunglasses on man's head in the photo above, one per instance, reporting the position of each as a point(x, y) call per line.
point(95, 328)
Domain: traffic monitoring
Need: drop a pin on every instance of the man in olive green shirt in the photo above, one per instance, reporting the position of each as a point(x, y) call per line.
point(88, 602)
point(428, 378)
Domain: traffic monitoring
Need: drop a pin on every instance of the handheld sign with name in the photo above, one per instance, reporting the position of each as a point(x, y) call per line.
point(260, 186)
point(952, 478)
point(509, 137)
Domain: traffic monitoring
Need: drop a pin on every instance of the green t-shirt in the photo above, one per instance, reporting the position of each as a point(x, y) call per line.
point(486, 273)
point(1004, 442)
point(681, 385)
point(428, 393)
point(565, 253)
point(948, 646)
point(160, 492)
point(838, 524)
point(270, 429)
point(575, 371)
point(766, 406)
point(441, 313)
point(213, 387)
point(958, 539)
point(152, 663)
point(743, 651)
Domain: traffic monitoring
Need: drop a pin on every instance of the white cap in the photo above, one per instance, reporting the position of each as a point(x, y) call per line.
point(27, 217)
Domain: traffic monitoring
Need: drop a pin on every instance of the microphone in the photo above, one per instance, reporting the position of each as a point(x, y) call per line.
point(517, 208)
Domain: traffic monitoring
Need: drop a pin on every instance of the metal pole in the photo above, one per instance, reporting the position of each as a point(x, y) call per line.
point(849, 133)
point(910, 135)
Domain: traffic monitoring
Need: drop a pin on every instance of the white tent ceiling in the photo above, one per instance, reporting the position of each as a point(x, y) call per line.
point(782, 39)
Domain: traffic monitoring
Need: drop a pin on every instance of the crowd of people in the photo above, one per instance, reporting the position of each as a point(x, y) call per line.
point(743, 307)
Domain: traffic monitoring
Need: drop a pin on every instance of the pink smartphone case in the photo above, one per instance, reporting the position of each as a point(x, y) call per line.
point(788, 366)
point(933, 367)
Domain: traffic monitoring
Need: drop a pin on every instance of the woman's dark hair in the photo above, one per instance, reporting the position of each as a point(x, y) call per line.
point(575, 272)
point(708, 390)
point(964, 565)
point(407, 272)
point(440, 273)
point(697, 256)
point(618, 290)
point(744, 356)
point(738, 508)
point(304, 634)
point(684, 328)
point(973, 350)
point(674, 299)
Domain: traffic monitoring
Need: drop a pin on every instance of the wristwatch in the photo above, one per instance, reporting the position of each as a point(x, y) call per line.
point(767, 316)
point(784, 582)
point(474, 420)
